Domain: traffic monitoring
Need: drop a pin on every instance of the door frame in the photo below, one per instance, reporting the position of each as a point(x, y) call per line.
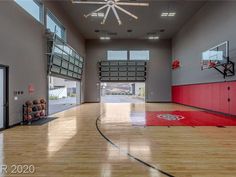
point(6, 98)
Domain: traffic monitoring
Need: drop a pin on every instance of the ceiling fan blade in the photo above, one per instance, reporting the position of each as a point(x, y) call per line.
point(87, 2)
point(103, 7)
point(125, 11)
point(132, 4)
point(105, 17)
point(116, 14)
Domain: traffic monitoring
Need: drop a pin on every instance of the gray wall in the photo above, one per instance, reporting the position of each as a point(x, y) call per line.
point(213, 24)
point(158, 84)
point(22, 48)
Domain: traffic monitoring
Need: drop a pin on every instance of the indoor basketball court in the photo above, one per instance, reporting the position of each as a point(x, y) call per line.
point(117, 88)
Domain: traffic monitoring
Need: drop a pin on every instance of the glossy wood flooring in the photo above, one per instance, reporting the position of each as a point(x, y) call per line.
point(71, 146)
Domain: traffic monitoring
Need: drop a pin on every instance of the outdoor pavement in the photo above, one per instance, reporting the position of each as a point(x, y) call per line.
point(62, 104)
point(121, 99)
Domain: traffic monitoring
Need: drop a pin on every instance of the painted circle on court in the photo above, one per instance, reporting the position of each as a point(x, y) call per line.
point(170, 117)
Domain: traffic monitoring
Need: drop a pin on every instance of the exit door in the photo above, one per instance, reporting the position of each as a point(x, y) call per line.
point(3, 97)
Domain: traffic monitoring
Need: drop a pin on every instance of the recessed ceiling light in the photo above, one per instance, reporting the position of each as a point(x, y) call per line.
point(168, 14)
point(172, 14)
point(105, 38)
point(94, 15)
point(153, 37)
point(99, 14)
point(164, 14)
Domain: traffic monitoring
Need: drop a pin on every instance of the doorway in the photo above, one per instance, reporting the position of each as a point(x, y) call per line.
point(4, 110)
point(127, 92)
point(62, 94)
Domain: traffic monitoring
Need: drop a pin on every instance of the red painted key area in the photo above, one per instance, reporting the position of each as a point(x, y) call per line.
point(190, 118)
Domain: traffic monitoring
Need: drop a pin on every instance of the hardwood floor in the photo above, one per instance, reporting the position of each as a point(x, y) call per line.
point(71, 146)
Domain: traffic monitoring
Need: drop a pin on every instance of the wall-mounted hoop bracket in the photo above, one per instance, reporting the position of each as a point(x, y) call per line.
point(226, 69)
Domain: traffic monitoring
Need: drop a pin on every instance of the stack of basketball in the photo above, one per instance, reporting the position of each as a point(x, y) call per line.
point(34, 110)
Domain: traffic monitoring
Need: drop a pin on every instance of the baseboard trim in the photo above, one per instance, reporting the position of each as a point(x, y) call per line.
point(11, 126)
point(158, 101)
point(91, 102)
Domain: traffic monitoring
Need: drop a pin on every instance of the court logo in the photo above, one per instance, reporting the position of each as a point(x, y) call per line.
point(170, 117)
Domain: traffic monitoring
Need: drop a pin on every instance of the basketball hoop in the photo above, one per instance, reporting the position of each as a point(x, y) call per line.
point(212, 64)
point(207, 64)
point(218, 58)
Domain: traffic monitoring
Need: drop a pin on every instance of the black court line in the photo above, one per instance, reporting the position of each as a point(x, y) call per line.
point(130, 155)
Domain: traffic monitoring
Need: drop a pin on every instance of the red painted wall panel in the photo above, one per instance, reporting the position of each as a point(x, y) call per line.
point(223, 98)
point(219, 97)
point(212, 96)
point(232, 98)
point(215, 102)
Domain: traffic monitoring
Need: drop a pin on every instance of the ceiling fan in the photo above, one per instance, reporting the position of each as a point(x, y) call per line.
point(111, 5)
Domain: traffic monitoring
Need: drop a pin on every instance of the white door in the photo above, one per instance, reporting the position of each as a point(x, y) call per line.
point(2, 109)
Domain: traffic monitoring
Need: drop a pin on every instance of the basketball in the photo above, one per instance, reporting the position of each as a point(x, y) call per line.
point(28, 103)
point(27, 117)
point(39, 107)
point(36, 101)
point(42, 101)
point(43, 106)
point(37, 115)
point(34, 109)
point(29, 110)
point(42, 113)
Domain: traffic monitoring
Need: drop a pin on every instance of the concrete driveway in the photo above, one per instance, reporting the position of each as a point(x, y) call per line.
point(121, 99)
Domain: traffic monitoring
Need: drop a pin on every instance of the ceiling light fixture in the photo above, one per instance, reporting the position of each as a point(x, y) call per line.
point(111, 5)
point(100, 14)
point(105, 38)
point(164, 14)
point(153, 37)
point(172, 14)
point(168, 14)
